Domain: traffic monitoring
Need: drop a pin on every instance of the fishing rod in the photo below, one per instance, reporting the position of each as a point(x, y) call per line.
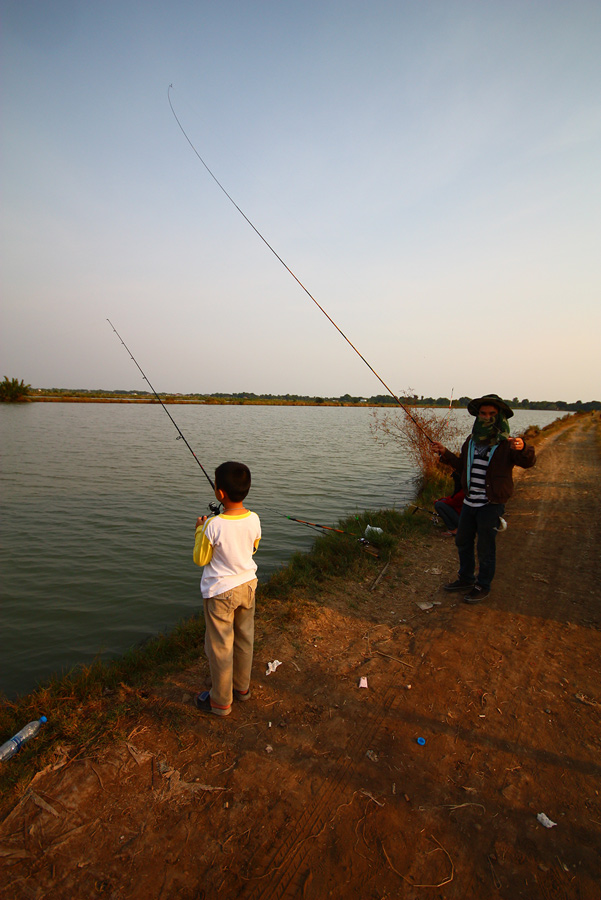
point(429, 512)
point(212, 506)
point(362, 540)
point(289, 270)
point(215, 507)
point(316, 525)
point(366, 545)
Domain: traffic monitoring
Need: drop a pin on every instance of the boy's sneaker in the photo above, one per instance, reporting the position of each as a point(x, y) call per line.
point(476, 594)
point(242, 695)
point(202, 702)
point(459, 585)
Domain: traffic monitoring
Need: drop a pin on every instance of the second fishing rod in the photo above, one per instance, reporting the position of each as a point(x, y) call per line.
point(215, 507)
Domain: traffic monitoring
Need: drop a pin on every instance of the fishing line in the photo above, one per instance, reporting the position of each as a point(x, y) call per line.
point(448, 415)
point(289, 270)
point(181, 436)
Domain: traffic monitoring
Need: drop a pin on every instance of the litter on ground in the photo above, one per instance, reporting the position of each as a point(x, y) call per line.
point(272, 666)
point(545, 820)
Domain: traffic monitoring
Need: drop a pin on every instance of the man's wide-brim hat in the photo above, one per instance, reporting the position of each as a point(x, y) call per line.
point(492, 399)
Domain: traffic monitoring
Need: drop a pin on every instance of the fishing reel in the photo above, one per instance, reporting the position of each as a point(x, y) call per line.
point(369, 548)
point(434, 517)
point(215, 507)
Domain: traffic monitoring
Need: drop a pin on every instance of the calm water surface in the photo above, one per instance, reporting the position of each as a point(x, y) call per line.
point(98, 505)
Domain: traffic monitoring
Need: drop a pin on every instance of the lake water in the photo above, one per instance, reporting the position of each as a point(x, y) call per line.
point(98, 506)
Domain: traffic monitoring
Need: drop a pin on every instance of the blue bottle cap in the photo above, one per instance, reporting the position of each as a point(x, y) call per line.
point(421, 741)
point(43, 719)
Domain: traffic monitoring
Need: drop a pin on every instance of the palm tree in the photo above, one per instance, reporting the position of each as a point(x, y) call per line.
point(12, 390)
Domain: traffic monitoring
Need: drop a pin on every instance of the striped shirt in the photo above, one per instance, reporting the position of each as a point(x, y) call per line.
point(477, 490)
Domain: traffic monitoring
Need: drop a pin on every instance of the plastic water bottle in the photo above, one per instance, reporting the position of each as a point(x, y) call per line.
point(9, 748)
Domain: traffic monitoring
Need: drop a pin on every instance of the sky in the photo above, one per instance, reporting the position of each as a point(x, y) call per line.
point(429, 170)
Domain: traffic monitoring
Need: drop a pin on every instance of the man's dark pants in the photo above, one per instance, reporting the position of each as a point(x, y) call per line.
point(477, 524)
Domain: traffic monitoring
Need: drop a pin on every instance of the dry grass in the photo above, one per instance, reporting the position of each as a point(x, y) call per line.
point(415, 433)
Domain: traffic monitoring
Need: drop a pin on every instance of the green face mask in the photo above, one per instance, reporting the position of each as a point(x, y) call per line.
point(491, 432)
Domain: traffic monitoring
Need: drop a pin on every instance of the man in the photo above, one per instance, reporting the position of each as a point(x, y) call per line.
point(485, 465)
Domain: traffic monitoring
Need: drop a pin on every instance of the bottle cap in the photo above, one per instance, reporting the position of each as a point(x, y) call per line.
point(43, 719)
point(421, 741)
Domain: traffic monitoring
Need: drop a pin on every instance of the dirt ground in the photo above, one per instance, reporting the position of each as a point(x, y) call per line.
point(319, 788)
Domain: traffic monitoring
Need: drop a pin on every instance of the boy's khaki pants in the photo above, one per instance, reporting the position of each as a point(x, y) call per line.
point(229, 638)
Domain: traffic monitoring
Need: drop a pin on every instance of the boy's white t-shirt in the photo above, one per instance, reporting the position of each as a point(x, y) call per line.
point(225, 546)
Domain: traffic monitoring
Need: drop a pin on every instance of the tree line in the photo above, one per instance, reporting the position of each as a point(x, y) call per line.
point(15, 390)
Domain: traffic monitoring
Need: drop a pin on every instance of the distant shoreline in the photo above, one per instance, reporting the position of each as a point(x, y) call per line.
point(536, 406)
point(182, 401)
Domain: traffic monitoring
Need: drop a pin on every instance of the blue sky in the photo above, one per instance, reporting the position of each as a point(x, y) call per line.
point(429, 170)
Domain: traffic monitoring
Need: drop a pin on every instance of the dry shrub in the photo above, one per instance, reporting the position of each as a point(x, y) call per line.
point(414, 431)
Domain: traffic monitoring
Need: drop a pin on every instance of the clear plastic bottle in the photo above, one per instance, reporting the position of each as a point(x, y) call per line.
point(9, 748)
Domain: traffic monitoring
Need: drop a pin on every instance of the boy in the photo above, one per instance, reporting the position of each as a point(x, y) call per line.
point(225, 545)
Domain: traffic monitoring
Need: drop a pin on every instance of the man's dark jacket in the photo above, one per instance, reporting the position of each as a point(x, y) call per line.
point(499, 483)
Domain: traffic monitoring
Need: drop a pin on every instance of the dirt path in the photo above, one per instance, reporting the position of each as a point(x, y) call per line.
point(318, 788)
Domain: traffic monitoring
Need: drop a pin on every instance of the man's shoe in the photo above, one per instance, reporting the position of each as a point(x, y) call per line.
point(476, 594)
point(458, 585)
point(202, 703)
point(242, 695)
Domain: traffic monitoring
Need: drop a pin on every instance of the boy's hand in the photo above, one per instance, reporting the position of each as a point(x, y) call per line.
point(516, 443)
point(437, 447)
point(201, 520)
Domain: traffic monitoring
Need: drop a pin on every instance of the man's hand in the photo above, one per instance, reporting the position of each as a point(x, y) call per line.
point(516, 443)
point(201, 520)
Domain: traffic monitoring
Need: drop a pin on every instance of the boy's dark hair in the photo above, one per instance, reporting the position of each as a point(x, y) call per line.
point(233, 478)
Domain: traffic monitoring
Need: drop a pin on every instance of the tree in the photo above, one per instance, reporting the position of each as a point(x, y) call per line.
point(12, 390)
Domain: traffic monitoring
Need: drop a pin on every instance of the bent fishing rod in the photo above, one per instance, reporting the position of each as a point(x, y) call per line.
point(289, 270)
point(181, 436)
